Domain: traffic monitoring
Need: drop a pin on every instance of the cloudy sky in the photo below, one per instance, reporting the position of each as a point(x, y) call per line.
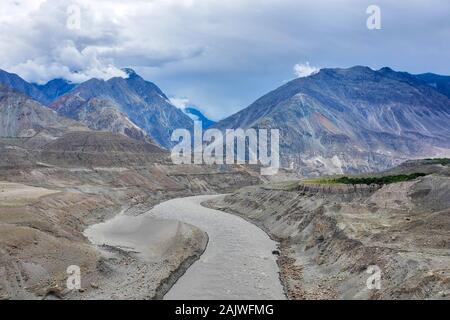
point(218, 55)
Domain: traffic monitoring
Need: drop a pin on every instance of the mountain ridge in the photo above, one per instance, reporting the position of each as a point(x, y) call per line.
point(141, 101)
point(23, 117)
point(351, 120)
point(197, 115)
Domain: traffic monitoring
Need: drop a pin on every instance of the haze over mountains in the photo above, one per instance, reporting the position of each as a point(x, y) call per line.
point(336, 121)
point(353, 120)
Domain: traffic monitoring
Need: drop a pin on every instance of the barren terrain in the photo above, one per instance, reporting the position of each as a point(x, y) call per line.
point(331, 234)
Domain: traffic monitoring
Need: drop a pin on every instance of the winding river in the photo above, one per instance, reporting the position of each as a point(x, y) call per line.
point(238, 262)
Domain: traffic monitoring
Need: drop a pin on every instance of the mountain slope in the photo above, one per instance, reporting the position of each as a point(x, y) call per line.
point(55, 88)
point(22, 117)
point(440, 83)
point(351, 120)
point(104, 115)
point(141, 101)
point(100, 149)
point(15, 82)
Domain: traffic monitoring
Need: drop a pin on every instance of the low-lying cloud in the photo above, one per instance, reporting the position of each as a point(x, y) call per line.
point(79, 39)
point(302, 70)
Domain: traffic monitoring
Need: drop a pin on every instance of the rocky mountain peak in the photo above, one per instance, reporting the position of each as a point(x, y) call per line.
point(352, 120)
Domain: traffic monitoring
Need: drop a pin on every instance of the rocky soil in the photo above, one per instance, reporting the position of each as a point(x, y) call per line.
point(331, 234)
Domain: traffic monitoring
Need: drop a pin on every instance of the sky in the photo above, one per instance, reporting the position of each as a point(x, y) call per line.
point(218, 55)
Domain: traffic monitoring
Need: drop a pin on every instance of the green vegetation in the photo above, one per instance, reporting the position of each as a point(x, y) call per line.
point(441, 161)
point(370, 180)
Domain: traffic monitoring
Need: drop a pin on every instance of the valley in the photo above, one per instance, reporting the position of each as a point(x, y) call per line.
point(50, 200)
point(87, 180)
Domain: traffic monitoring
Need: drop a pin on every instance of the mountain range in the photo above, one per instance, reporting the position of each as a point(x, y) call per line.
point(353, 120)
point(335, 121)
point(197, 115)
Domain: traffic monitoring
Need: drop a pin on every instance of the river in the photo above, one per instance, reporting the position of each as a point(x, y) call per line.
point(238, 262)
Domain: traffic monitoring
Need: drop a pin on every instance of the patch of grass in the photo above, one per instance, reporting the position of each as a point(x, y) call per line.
point(441, 161)
point(370, 180)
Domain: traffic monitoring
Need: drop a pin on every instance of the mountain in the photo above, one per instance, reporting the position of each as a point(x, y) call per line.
point(22, 117)
point(31, 132)
point(13, 81)
point(351, 120)
point(197, 115)
point(141, 101)
point(42, 93)
point(440, 83)
point(132, 106)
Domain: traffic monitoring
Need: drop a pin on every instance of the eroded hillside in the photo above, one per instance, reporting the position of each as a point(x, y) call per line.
point(332, 233)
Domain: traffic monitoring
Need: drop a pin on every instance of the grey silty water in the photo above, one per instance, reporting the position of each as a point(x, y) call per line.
point(238, 262)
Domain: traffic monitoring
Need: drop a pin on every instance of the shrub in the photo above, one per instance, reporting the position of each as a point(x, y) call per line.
point(378, 180)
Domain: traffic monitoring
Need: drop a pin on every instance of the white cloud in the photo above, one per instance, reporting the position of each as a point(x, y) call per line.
point(220, 54)
point(180, 103)
point(302, 70)
point(41, 41)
